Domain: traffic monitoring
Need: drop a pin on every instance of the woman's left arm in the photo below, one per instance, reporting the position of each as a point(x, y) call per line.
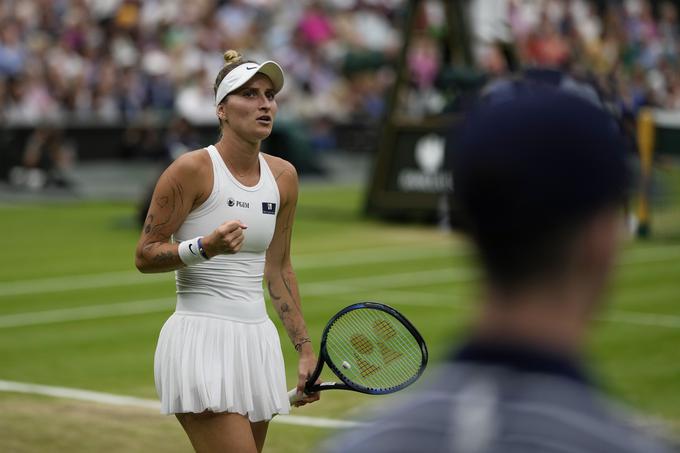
point(280, 276)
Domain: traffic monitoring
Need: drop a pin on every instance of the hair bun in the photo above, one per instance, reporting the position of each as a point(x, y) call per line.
point(231, 56)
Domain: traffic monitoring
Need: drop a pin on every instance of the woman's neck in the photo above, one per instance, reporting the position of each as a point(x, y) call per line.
point(240, 156)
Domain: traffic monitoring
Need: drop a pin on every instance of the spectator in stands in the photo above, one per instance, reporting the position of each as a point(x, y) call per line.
point(192, 98)
point(93, 57)
point(553, 163)
point(669, 31)
point(316, 27)
point(12, 53)
point(152, 50)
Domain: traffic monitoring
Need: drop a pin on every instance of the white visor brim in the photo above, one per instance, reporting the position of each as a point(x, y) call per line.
point(238, 76)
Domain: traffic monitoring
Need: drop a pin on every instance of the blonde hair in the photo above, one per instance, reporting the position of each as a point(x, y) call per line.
point(232, 56)
point(232, 59)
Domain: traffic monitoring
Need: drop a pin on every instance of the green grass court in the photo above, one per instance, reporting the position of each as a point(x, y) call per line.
point(93, 320)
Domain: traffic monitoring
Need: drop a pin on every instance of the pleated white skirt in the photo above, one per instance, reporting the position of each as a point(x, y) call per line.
point(219, 365)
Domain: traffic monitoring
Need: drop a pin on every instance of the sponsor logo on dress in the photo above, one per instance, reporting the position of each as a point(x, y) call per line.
point(268, 208)
point(239, 204)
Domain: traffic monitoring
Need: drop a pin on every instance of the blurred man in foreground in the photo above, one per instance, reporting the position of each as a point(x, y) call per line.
point(539, 180)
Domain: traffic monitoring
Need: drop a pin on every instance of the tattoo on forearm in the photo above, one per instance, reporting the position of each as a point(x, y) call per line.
point(285, 310)
point(271, 291)
point(164, 257)
point(294, 333)
point(286, 284)
point(148, 248)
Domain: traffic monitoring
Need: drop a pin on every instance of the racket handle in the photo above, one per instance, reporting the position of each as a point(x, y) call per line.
point(293, 397)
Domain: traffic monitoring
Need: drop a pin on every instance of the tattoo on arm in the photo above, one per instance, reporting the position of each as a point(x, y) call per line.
point(149, 224)
point(155, 228)
point(159, 257)
point(271, 291)
point(288, 308)
point(286, 283)
point(173, 202)
point(287, 232)
point(276, 178)
point(287, 302)
point(165, 257)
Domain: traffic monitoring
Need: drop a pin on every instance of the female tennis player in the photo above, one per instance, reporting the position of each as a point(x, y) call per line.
point(222, 217)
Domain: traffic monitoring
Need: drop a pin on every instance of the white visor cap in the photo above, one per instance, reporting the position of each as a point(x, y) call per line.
point(238, 76)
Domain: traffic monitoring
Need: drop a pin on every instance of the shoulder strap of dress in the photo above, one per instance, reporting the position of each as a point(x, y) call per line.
point(267, 173)
point(265, 168)
point(214, 154)
point(217, 163)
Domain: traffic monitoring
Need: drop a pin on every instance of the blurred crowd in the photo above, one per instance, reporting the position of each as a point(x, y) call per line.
point(630, 48)
point(113, 60)
point(154, 62)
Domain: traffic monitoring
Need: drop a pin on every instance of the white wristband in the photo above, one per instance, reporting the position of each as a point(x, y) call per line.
point(191, 251)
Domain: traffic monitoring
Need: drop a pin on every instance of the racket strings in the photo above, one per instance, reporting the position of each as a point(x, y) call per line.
point(373, 349)
point(391, 373)
point(361, 343)
point(384, 329)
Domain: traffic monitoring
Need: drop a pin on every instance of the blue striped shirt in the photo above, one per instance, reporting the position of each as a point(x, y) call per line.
point(503, 399)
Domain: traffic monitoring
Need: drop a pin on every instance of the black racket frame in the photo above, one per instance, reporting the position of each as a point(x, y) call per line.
point(347, 384)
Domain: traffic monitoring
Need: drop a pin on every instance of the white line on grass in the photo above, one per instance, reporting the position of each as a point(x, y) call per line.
point(375, 255)
point(71, 282)
point(81, 313)
point(450, 298)
point(121, 400)
point(311, 261)
point(420, 278)
point(341, 286)
point(382, 286)
point(640, 318)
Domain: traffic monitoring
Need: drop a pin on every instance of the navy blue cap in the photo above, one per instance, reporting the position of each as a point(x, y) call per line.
point(533, 157)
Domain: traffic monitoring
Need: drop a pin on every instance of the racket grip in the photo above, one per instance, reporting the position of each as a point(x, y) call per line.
point(293, 397)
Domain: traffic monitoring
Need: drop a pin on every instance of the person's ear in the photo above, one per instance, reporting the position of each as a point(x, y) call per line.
point(221, 114)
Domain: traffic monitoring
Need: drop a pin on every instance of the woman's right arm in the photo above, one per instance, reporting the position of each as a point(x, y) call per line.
point(179, 190)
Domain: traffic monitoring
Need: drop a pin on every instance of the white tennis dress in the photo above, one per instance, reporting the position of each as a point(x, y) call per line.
point(219, 351)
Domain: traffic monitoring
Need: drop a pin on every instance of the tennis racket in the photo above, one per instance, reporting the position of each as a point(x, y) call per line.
point(372, 348)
